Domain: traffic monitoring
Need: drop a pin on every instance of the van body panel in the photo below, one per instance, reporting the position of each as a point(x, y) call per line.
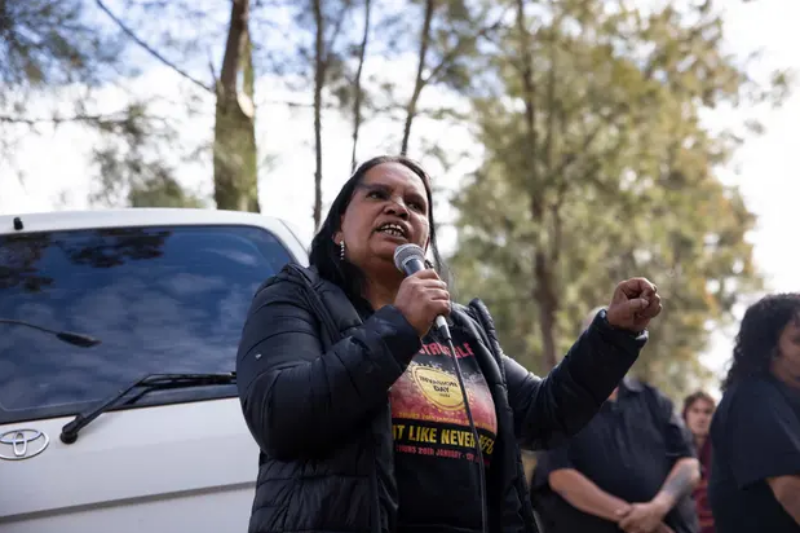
point(170, 461)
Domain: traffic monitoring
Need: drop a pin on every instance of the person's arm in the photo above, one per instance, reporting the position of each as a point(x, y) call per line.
point(298, 400)
point(685, 473)
point(647, 516)
point(682, 480)
point(548, 411)
point(787, 491)
point(580, 492)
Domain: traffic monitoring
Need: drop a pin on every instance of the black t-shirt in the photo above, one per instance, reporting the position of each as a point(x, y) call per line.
point(755, 435)
point(628, 449)
point(435, 462)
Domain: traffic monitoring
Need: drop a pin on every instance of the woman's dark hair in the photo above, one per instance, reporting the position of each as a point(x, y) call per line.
point(759, 334)
point(696, 397)
point(325, 252)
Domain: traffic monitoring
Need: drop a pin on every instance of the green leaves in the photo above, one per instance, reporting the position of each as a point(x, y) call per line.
point(44, 42)
point(624, 174)
point(131, 168)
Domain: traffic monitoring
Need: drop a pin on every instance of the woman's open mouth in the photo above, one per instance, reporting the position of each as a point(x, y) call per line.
point(393, 230)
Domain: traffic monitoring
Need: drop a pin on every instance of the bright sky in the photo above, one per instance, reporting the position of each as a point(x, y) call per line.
point(769, 167)
point(56, 175)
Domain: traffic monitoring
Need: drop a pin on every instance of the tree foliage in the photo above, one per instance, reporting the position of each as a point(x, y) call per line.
point(131, 169)
point(54, 47)
point(47, 43)
point(596, 162)
point(598, 168)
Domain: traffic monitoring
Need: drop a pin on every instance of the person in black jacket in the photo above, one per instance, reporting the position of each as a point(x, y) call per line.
point(354, 401)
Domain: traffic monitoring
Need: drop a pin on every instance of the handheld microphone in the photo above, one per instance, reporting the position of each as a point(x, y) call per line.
point(410, 259)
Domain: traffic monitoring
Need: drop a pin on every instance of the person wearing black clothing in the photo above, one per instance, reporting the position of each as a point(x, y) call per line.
point(755, 434)
point(352, 397)
point(630, 469)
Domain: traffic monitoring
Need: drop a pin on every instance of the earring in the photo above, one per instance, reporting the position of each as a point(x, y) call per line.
point(341, 250)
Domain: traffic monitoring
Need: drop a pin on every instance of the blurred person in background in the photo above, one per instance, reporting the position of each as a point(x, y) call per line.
point(630, 469)
point(755, 433)
point(698, 409)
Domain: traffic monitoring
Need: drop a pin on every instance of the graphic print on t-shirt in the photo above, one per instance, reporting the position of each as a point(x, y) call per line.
point(428, 412)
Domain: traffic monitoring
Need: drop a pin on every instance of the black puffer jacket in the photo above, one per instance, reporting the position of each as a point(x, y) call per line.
point(314, 380)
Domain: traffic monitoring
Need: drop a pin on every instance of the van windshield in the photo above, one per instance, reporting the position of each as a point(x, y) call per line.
point(158, 300)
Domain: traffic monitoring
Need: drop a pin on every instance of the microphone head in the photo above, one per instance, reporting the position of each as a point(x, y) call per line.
point(404, 252)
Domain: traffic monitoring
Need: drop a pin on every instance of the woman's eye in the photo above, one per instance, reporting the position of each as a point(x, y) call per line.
point(378, 195)
point(416, 204)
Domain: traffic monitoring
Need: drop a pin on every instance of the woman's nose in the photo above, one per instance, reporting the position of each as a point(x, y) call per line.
point(397, 208)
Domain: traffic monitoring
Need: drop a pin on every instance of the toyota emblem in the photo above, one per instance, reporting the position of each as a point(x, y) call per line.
point(19, 444)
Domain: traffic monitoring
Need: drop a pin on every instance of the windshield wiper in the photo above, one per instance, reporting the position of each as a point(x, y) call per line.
point(76, 339)
point(150, 382)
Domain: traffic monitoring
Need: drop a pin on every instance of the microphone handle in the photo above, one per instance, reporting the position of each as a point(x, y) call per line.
point(441, 325)
point(412, 266)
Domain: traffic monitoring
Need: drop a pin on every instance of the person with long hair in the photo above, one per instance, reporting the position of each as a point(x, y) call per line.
point(755, 433)
point(698, 410)
point(369, 419)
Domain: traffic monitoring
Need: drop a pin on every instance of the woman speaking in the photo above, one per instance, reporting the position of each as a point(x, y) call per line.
point(368, 418)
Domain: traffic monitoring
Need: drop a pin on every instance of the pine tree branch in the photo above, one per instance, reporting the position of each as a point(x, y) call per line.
point(419, 82)
point(8, 119)
point(337, 29)
point(357, 118)
point(458, 49)
point(150, 49)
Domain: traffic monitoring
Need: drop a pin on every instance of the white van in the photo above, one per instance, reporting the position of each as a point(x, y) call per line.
point(118, 339)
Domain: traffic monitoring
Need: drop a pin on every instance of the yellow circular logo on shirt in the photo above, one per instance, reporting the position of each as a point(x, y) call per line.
point(439, 387)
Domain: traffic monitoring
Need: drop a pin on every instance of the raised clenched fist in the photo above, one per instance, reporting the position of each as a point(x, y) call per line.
point(634, 304)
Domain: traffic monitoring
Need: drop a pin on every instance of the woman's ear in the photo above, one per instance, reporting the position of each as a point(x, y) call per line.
point(338, 235)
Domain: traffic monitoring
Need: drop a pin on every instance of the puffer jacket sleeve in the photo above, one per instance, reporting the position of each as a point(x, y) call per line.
point(548, 411)
point(297, 399)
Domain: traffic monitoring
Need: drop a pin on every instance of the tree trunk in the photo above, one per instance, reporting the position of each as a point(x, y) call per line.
point(357, 100)
point(419, 83)
point(544, 291)
point(548, 306)
point(319, 81)
point(235, 172)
